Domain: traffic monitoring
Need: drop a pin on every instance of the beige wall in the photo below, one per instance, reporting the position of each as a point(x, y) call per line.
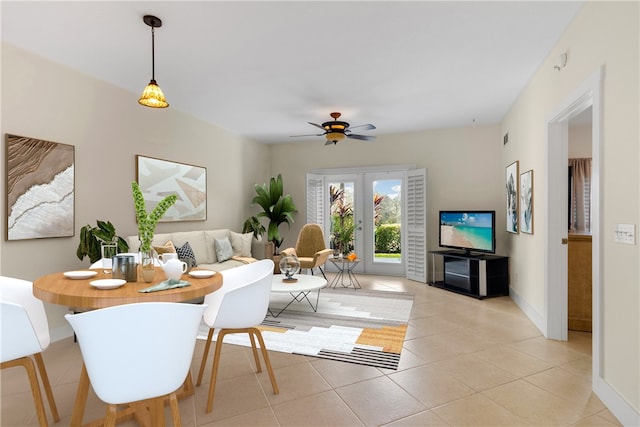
point(108, 128)
point(580, 138)
point(603, 34)
point(41, 99)
point(463, 170)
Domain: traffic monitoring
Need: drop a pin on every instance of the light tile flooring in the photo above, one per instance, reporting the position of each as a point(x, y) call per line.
point(465, 362)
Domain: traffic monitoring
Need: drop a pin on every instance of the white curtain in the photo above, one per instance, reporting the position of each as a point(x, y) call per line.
point(580, 195)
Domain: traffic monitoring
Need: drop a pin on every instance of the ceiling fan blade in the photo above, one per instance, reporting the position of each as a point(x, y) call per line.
point(361, 137)
point(368, 126)
point(316, 125)
point(310, 134)
point(329, 142)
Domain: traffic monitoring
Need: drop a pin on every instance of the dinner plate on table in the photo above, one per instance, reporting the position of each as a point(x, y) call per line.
point(80, 274)
point(201, 274)
point(107, 283)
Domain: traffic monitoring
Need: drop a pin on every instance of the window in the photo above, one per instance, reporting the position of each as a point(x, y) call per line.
point(580, 195)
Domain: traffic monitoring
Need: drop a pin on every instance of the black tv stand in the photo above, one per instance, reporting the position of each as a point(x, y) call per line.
point(475, 275)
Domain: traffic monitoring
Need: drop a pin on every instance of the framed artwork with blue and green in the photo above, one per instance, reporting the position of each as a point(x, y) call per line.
point(512, 197)
point(526, 202)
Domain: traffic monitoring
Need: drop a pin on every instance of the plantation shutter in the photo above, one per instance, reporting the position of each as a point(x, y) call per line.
point(315, 199)
point(416, 206)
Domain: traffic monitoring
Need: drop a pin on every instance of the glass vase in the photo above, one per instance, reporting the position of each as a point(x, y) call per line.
point(147, 265)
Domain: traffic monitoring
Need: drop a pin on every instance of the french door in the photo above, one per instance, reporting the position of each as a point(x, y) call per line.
point(379, 215)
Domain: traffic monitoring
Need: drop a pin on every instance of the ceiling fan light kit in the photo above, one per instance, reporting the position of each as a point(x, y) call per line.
point(336, 130)
point(152, 95)
point(334, 137)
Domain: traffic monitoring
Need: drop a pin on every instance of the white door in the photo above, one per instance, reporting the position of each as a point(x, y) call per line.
point(387, 212)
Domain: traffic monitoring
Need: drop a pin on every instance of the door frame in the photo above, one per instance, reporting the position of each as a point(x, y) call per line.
point(357, 171)
point(589, 94)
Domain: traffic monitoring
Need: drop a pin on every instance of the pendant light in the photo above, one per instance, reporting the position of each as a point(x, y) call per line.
point(152, 95)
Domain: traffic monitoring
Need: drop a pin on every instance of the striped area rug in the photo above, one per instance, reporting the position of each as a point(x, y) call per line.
point(354, 326)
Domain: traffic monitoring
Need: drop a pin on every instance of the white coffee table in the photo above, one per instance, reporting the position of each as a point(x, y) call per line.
point(299, 290)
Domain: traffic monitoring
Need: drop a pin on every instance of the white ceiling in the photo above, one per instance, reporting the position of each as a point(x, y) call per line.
point(264, 69)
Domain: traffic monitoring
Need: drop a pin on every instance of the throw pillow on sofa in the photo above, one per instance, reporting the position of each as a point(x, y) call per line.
point(185, 253)
point(166, 248)
point(223, 248)
point(241, 244)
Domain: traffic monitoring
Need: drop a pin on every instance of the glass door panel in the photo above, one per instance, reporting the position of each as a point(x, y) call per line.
point(387, 220)
point(383, 223)
point(342, 211)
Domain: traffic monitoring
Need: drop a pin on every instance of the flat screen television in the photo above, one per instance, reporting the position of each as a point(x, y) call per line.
point(468, 231)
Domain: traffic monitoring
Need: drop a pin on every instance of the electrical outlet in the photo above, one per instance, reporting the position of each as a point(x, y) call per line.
point(625, 233)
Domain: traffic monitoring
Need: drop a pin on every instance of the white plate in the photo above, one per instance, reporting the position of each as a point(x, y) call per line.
point(76, 275)
point(201, 274)
point(107, 283)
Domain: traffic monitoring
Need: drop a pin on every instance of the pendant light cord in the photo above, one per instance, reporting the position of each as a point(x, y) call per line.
point(153, 54)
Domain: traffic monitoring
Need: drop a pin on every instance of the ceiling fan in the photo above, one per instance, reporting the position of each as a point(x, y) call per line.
point(336, 130)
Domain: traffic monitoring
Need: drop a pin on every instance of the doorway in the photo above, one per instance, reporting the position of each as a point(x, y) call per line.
point(589, 95)
point(378, 213)
point(365, 218)
point(580, 301)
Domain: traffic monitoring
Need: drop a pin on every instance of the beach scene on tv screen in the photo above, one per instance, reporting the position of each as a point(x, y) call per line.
point(465, 230)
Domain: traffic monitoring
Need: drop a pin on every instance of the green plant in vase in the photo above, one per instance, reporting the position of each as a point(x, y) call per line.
point(147, 227)
point(92, 238)
point(253, 225)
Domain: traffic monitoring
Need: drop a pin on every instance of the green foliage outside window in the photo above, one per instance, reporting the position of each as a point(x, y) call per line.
point(388, 238)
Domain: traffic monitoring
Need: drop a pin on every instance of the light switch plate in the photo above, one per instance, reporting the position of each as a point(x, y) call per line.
point(625, 233)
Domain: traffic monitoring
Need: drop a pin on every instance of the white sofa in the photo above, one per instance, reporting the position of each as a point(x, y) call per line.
point(202, 243)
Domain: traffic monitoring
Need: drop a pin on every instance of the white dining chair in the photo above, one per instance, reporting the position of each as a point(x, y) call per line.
point(138, 351)
point(238, 307)
point(24, 333)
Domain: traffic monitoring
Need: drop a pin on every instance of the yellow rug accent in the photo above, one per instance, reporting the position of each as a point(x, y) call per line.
point(272, 329)
point(390, 338)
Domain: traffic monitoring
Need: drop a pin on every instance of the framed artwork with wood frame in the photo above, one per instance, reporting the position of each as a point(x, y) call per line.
point(158, 178)
point(40, 191)
point(512, 197)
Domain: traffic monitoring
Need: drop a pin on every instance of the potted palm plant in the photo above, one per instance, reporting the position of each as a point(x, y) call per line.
point(276, 206)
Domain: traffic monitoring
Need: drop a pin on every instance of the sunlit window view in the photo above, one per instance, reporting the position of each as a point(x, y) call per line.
point(342, 221)
point(387, 220)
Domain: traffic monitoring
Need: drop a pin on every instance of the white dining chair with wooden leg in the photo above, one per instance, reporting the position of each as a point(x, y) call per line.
point(238, 307)
point(24, 334)
point(140, 351)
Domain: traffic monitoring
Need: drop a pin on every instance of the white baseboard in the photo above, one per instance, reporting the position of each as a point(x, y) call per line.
point(529, 311)
point(619, 407)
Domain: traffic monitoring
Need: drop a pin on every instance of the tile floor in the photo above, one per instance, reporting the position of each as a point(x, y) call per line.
point(465, 362)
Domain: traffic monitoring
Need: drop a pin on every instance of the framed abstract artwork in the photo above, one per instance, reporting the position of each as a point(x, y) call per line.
point(40, 191)
point(512, 197)
point(158, 178)
point(526, 202)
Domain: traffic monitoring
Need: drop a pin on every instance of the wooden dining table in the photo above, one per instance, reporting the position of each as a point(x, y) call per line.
point(78, 294)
